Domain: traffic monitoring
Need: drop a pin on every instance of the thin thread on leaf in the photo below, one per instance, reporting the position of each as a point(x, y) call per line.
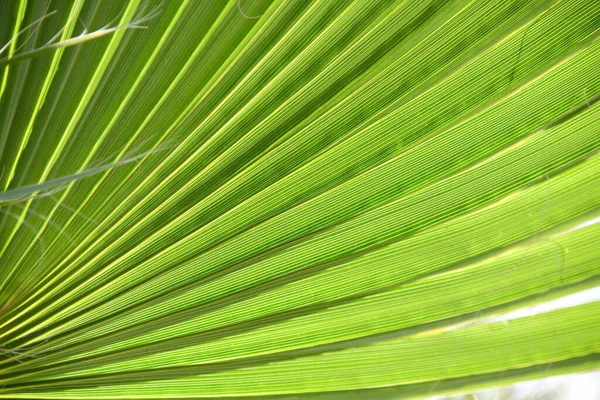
point(81, 38)
point(35, 23)
point(134, 151)
point(46, 219)
point(35, 29)
point(560, 265)
point(47, 188)
point(239, 6)
point(21, 219)
point(75, 211)
point(511, 76)
point(544, 208)
point(33, 196)
point(42, 217)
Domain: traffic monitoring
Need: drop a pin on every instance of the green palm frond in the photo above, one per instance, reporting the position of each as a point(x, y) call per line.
point(295, 199)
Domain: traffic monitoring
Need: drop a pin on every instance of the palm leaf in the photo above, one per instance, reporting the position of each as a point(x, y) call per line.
point(271, 199)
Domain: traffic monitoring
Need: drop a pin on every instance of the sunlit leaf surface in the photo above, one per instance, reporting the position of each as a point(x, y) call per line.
point(295, 199)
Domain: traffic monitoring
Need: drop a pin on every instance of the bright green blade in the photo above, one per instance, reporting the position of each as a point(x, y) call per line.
point(295, 198)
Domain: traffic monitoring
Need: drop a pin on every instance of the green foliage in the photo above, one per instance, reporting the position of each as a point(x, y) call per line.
point(295, 199)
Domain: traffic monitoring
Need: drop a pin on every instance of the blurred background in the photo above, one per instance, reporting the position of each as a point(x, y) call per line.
point(567, 387)
point(582, 386)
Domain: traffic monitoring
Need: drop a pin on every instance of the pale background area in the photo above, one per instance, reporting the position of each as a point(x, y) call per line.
point(582, 386)
point(567, 387)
